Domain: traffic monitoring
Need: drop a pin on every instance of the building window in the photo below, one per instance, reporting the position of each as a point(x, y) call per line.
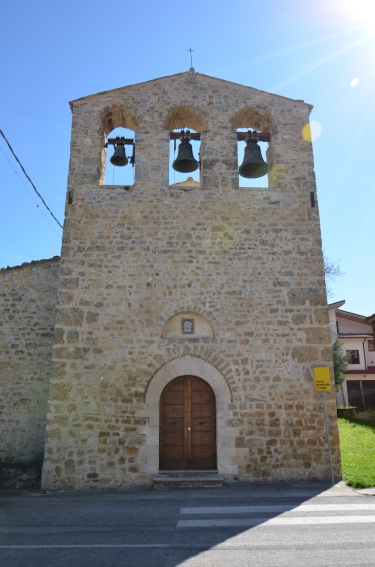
point(371, 346)
point(352, 356)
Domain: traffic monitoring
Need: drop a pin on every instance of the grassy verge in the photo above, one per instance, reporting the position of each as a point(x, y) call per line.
point(357, 443)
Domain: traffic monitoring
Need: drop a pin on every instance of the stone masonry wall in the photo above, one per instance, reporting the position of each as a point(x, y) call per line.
point(248, 261)
point(27, 305)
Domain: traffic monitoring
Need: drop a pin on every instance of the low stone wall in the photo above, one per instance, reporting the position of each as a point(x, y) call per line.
point(20, 475)
point(27, 306)
point(357, 413)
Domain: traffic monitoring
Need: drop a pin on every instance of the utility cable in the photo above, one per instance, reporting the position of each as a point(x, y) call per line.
point(28, 190)
point(32, 184)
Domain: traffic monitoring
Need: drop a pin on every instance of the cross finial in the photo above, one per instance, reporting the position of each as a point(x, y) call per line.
point(191, 70)
point(191, 56)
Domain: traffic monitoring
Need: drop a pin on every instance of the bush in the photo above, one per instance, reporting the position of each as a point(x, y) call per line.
point(340, 363)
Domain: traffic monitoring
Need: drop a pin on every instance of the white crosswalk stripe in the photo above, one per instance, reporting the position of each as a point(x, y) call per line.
point(279, 508)
point(314, 514)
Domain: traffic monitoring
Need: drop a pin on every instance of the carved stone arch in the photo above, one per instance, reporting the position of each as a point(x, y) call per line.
point(188, 365)
point(119, 116)
point(254, 117)
point(226, 436)
point(186, 117)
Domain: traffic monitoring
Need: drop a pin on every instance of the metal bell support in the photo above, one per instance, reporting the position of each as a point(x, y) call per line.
point(119, 158)
point(185, 162)
point(253, 164)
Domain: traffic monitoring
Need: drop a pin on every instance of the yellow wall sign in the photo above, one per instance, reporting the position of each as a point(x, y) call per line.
point(322, 379)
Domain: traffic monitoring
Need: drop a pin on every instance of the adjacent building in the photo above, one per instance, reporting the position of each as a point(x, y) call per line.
point(356, 334)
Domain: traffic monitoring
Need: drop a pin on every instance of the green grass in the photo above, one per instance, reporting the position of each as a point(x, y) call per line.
point(357, 444)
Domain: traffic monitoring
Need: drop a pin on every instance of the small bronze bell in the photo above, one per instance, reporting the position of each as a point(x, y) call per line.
point(253, 164)
point(185, 162)
point(119, 158)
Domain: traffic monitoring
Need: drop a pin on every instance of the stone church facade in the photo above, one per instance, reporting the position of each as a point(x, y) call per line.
point(180, 328)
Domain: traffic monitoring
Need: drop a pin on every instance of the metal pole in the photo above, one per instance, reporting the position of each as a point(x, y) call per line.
point(328, 438)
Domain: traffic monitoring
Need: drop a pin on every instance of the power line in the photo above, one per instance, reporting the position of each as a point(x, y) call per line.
point(29, 192)
point(32, 184)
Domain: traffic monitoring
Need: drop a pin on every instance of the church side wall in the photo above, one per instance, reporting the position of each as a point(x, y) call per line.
point(27, 306)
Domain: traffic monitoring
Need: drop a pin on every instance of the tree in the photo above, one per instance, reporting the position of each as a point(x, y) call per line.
point(331, 270)
point(340, 363)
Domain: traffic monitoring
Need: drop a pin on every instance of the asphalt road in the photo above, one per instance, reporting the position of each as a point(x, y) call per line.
point(260, 525)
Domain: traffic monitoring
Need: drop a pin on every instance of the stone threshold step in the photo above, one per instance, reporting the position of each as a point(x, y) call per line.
point(187, 481)
point(188, 472)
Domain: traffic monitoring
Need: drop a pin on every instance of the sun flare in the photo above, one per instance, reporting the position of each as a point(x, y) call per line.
point(361, 11)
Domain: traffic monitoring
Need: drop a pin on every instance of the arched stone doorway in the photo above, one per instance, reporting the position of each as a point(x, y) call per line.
point(187, 437)
point(227, 452)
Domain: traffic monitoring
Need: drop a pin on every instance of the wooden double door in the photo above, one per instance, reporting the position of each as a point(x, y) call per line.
point(187, 425)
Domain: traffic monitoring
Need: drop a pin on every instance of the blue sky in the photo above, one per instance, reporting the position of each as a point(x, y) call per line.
point(321, 51)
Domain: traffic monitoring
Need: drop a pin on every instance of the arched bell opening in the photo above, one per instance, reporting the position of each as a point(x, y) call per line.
point(118, 151)
point(252, 152)
point(120, 157)
point(254, 128)
point(184, 157)
point(185, 125)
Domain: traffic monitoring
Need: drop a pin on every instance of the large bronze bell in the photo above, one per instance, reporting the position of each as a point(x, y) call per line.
point(119, 158)
point(185, 162)
point(253, 164)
